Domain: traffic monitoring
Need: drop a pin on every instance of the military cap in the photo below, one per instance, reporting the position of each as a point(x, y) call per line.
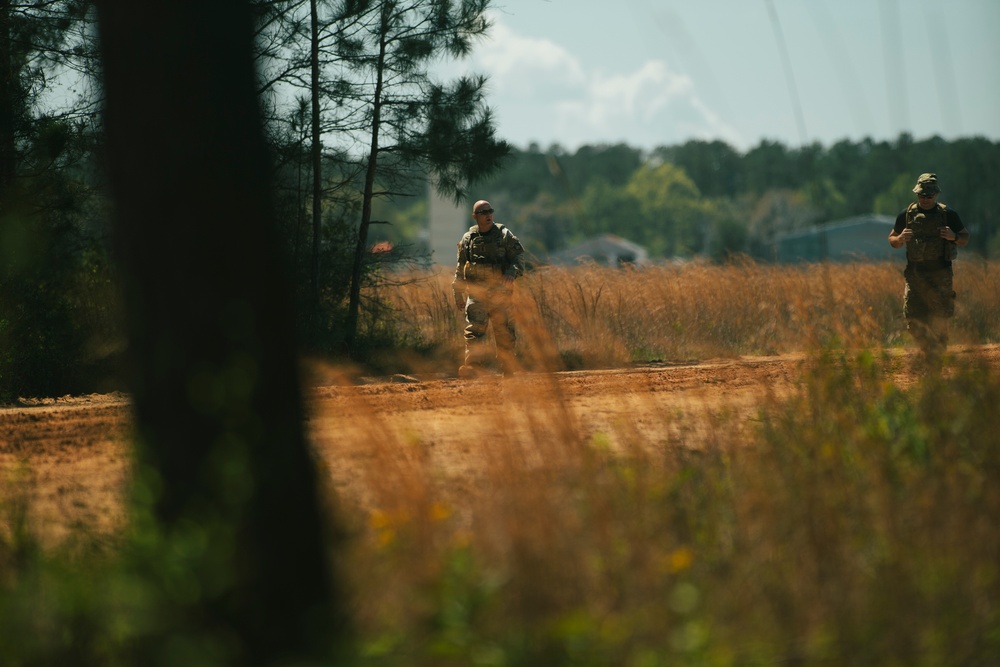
point(927, 185)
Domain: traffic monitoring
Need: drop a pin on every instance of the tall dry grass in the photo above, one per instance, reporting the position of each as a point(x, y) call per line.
point(597, 316)
point(851, 523)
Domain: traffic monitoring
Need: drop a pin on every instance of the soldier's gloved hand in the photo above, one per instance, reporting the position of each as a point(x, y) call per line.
point(508, 281)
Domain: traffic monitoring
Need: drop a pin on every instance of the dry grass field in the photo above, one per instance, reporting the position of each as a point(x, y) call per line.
point(700, 465)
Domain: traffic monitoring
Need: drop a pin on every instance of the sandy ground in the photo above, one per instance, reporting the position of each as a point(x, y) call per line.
point(68, 458)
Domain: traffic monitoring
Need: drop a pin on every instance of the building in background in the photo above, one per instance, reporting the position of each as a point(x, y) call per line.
point(448, 221)
point(863, 238)
point(606, 250)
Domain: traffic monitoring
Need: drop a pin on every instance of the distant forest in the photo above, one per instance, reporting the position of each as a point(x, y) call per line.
point(705, 198)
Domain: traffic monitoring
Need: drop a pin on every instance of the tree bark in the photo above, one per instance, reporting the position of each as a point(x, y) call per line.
point(317, 161)
point(8, 105)
point(361, 251)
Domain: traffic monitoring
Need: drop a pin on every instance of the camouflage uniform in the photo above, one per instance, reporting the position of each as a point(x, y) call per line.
point(484, 258)
point(929, 295)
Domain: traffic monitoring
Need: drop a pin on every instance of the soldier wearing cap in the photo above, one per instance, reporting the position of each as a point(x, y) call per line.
point(931, 233)
point(490, 258)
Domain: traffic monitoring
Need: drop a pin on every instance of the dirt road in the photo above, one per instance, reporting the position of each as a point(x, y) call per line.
point(69, 457)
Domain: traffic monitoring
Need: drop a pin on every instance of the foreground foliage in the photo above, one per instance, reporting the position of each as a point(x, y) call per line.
point(853, 525)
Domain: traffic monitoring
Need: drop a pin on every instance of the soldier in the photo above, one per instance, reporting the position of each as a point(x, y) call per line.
point(489, 259)
point(931, 232)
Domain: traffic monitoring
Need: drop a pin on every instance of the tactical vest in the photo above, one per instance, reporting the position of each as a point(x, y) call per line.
point(487, 253)
point(927, 244)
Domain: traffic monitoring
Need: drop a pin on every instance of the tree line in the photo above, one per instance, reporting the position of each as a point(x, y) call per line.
point(707, 199)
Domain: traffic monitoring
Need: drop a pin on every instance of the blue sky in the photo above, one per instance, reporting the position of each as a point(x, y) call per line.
point(660, 72)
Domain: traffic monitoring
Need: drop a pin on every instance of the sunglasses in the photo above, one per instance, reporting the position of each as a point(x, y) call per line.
point(484, 211)
point(927, 196)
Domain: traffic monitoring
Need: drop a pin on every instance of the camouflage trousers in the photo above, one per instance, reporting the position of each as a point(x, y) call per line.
point(928, 306)
point(485, 308)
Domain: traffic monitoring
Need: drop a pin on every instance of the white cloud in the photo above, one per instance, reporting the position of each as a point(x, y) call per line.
point(636, 97)
point(542, 92)
point(523, 65)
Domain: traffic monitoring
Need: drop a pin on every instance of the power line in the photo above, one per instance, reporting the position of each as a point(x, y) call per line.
point(944, 73)
point(895, 81)
point(789, 76)
point(841, 57)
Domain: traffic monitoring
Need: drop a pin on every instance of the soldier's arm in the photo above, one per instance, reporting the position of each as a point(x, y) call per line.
point(959, 234)
point(897, 238)
point(956, 225)
point(515, 258)
point(458, 282)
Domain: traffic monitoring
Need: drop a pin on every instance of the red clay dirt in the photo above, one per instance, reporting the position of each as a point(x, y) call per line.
point(67, 460)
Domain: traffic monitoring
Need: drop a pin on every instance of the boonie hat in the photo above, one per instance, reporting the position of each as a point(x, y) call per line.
point(927, 185)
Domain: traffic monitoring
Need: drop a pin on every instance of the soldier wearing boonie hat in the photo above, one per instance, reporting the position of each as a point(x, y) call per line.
point(927, 185)
point(931, 232)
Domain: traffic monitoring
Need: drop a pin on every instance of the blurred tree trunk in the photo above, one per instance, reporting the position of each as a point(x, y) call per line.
point(216, 392)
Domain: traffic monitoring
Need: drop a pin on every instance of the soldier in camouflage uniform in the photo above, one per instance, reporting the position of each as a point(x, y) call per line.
point(931, 233)
point(489, 259)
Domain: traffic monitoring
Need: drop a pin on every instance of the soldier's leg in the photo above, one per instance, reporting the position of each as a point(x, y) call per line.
point(939, 329)
point(940, 303)
point(477, 316)
point(917, 315)
point(506, 336)
point(924, 338)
